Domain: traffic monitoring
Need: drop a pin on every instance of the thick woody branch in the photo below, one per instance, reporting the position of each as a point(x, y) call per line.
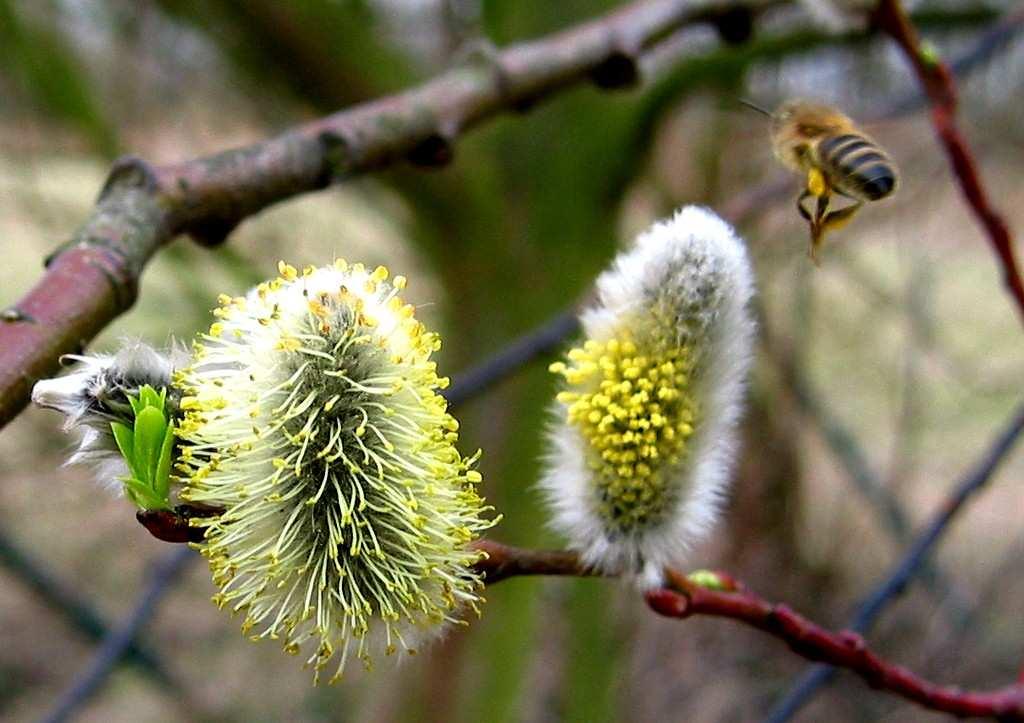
point(94, 277)
point(937, 82)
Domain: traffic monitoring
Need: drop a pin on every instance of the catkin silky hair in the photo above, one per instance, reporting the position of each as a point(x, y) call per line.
point(643, 444)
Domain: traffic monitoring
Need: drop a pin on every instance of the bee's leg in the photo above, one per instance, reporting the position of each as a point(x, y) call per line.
point(837, 219)
point(807, 216)
point(800, 204)
point(818, 227)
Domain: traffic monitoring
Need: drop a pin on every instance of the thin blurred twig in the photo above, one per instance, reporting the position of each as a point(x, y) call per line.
point(937, 81)
point(911, 564)
point(164, 574)
point(519, 352)
point(988, 45)
point(86, 619)
point(851, 456)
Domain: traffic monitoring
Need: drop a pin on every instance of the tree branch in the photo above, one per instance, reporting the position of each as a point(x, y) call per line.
point(164, 574)
point(94, 277)
point(683, 598)
point(505, 561)
point(844, 649)
point(937, 81)
point(911, 565)
point(65, 598)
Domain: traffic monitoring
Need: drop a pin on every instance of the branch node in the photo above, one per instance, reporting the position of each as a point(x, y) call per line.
point(668, 603)
point(131, 172)
point(13, 315)
point(337, 156)
point(434, 151)
point(212, 231)
point(735, 25)
point(853, 641)
point(619, 70)
point(173, 525)
point(124, 282)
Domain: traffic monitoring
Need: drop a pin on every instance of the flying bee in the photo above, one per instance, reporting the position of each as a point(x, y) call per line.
point(836, 157)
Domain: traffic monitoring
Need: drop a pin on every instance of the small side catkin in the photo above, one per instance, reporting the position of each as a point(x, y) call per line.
point(311, 417)
point(97, 393)
point(641, 453)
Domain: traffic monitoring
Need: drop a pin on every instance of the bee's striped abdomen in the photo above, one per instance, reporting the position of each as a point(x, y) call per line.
point(857, 167)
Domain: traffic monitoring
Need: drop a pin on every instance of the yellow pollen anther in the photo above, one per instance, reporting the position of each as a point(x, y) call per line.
point(288, 272)
point(612, 401)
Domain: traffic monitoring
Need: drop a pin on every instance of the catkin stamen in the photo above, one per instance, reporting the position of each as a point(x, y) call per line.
point(313, 419)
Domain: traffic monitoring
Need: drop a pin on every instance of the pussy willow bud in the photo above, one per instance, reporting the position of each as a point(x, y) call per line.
point(641, 454)
point(312, 418)
point(99, 393)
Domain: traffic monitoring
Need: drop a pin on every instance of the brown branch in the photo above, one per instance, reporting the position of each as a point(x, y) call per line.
point(913, 560)
point(505, 561)
point(937, 82)
point(683, 598)
point(726, 598)
point(94, 277)
point(844, 649)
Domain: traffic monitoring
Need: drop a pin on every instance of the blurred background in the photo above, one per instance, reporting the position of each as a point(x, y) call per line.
point(884, 374)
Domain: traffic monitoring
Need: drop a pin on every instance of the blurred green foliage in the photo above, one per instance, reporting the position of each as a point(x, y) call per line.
point(46, 70)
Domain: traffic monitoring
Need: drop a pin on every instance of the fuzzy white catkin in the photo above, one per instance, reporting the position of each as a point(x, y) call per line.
point(95, 393)
point(312, 417)
point(309, 426)
point(641, 454)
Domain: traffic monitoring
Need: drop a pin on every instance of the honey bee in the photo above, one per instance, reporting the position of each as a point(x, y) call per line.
point(837, 158)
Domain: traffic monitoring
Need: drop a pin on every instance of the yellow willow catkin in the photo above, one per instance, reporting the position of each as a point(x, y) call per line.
point(641, 456)
point(312, 418)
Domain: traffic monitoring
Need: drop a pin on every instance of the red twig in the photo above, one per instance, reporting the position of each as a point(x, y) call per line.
point(683, 598)
point(937, 82)
point(842, 649)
